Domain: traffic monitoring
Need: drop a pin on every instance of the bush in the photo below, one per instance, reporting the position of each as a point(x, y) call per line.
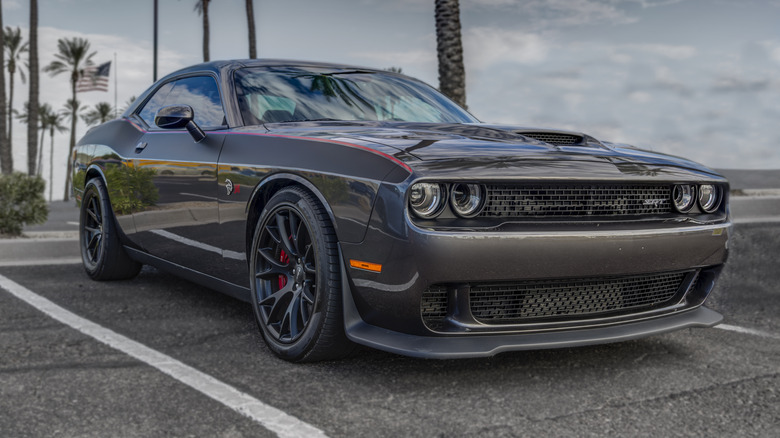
point(21, 202)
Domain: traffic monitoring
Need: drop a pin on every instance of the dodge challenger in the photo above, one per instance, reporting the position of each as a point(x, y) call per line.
point(351, 205)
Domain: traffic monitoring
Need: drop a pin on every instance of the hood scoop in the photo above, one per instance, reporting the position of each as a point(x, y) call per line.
point(556, 138)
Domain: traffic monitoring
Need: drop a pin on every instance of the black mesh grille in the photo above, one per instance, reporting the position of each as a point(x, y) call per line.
point(506, 303)
point(553, 138)
point(535, 200)
point(434, 306)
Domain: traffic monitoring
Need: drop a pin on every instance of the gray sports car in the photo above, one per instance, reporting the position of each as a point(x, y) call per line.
point(351, 205)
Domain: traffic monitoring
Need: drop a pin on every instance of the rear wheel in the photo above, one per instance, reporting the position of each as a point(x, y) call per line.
point(295, 277)
point(102, 253)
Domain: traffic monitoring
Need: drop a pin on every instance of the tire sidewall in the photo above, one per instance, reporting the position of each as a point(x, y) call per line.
point(297, 349)
point(94, 188)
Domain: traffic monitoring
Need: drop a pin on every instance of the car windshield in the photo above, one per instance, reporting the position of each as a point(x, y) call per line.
point(293, 95)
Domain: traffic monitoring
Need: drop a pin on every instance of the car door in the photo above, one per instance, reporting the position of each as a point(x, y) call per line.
point(178, 226)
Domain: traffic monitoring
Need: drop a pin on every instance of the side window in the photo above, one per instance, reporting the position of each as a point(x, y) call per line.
point(154, 104)
point(201, 93)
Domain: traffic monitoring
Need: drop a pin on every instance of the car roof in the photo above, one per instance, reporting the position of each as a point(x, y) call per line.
point(222, 65)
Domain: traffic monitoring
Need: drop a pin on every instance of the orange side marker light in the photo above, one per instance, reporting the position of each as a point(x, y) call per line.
point(373, 267)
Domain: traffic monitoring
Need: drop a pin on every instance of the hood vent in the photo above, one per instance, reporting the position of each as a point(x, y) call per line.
point(554, 138)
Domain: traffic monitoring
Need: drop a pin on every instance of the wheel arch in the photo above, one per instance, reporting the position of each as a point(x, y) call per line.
point(267, 189)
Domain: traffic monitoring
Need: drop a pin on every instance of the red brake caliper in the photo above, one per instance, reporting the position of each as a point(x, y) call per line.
point(283, 278)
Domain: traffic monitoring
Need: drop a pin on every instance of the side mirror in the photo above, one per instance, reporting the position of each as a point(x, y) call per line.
point(177, 117)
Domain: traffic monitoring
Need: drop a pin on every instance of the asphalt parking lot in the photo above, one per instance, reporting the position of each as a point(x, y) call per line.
point(57, 381)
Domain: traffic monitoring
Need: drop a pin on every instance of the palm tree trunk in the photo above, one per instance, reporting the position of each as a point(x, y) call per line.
point(250, 17)
point(39, 168)
point(6, 155)
point(32, 110)
point(205, 30)
point(51, 164)
point(10, 110)
point(73, 120)
point(452, 75)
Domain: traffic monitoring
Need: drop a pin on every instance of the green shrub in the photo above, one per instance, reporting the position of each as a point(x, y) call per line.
point(21, 202)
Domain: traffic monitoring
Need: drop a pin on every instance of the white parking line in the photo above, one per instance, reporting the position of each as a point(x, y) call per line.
point(41, 262)
point(284, 425)
point(738, 329)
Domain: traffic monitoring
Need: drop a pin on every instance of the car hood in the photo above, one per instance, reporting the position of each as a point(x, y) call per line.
point(428, 146)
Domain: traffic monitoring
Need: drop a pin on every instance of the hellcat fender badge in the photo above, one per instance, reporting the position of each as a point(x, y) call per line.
point(229, 186)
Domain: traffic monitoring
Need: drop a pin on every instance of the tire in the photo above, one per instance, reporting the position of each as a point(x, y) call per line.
point(296, 279)
point(102, 253)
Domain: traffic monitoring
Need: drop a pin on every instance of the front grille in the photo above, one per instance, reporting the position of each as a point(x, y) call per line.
point(544, 200)
point(434, 306)
point(514, 302)
point(554, 138)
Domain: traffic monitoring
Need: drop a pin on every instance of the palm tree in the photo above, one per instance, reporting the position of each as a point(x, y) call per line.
point(6, 155)
point(100, 113)
point(14, 48)
point(32, 126)
point(202, 6)
point(452, 75)
point(250, 18)
point(43, 111)
point(73, 56)
point(53, 121)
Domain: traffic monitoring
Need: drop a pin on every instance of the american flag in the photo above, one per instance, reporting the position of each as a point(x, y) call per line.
point(94, 78)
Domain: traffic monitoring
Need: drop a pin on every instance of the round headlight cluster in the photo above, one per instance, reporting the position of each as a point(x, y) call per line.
point(427, 200)
point(683, 196)
point(467, 199)
point(709, 197)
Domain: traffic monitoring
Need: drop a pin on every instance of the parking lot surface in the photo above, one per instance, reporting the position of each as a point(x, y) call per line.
point(57, 381)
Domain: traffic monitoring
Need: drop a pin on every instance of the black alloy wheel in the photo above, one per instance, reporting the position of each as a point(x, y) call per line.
point(102, 253)
point(92, 235)
point(296, 290)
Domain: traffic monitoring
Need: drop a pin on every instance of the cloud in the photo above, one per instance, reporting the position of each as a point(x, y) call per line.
point(733, 84)
point(545, 14)
point(487, 46)
point(676, 52)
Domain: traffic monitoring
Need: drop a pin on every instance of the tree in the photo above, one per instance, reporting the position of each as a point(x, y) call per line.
point(100, 113)
point(452, 75)
point(250, 18)
point(53, 121)
point(43, 111)
point(32, 125)
point(14, 48)
point(72, 57)
point(202, 6)
point(6, 155)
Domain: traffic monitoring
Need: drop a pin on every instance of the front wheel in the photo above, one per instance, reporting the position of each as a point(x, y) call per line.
point(295, 278)
point(102, 253)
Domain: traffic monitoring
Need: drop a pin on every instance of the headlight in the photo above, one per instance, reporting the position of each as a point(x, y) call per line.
point(709, 197)
point(427, 199)
point(467, 199)
point(683, 197)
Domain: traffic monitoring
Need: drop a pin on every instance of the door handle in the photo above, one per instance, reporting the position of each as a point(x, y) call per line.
point(140, 147)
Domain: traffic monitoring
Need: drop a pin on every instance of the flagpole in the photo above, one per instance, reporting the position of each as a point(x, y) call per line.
point(116, 88)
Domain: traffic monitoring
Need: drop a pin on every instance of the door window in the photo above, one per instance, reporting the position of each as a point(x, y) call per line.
point(199, 92)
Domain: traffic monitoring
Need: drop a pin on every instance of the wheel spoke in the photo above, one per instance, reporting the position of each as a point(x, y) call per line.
point(304, 309)
point(307, 294)
point(292, 316)
point(267, 254)
point(285, 235)
point(276, 304)
point(271, 273)
point(273, 233)
point(91, 229)
point(308, 266)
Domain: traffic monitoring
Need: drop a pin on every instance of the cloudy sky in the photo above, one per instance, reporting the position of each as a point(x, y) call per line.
point(698, 78)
